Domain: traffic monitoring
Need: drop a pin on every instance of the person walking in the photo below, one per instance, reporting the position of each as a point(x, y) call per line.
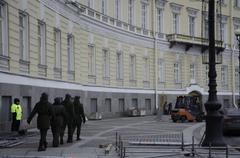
point(70, 117)
point(44, 110)
point(80, 116)
point(16, 111)
point(57, 121)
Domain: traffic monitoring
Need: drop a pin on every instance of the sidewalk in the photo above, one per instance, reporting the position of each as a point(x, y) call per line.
point(103, 132)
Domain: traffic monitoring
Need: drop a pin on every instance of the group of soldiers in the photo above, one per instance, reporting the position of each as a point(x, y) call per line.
point(58, 115)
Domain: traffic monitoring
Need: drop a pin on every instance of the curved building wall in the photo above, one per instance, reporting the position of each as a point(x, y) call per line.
point(63, 46)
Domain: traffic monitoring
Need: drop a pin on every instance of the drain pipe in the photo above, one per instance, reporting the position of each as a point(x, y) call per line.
point(233, 59)
point(155, 55)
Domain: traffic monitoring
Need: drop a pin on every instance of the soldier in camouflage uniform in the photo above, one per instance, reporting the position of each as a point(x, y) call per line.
point(57, 122)
point(70, 116)
point(80, 117)
point(44, 110)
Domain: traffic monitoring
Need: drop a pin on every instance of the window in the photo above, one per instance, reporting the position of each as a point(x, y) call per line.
point(144, 15)
point(222, 32)
point(206, 74)
point(235, 37)
point(5, 112)
point(26, 106)
point(177, 72)
point(206, 34)
point(106, 61)
point(93, 107)
point(104, 6)
point(192, 71)
point(130, 11)
point(23, 36)
point(222, 1)
point(70, 49)
point(175, 23)
point(89, 3)
point(191, 26)
point(160, 20)
point(118, 9)
point(42, 42)
point(224, 76)
point(236, 77)
point(91, 60)
point(132, 67)
point(148, 104)
point(119, 65)
point(57, 46)
point(146, 69)
point(161, 69)
point(108, 104)
point(121, 105)
point(3, 30)
point(135, 103)
point(237, 3)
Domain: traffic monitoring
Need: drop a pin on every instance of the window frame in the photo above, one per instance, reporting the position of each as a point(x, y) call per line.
point(24, 41)
point(70, 52)
point(4, 28)
point(132, 65)
point(119, 66)
point(106, 63)
point(42, 42)
point(57, 47)
point(91, 60)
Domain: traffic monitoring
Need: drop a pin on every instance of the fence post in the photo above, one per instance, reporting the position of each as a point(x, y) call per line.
point(193, 150)
point(116, 141)
point(226, 151)
point(210, 151)
point(124, 152)
point(182, 144)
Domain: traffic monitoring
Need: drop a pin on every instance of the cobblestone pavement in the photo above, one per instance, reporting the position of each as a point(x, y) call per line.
point(103, 132)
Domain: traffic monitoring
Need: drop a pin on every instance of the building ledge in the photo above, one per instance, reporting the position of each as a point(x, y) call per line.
point(190, 41)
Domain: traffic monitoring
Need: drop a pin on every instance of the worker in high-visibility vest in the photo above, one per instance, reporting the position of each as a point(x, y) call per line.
point(16, 111)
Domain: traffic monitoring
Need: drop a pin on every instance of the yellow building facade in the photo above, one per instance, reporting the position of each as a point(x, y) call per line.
point(115, 54)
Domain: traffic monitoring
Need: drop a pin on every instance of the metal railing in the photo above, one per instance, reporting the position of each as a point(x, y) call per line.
point(188, 150)
point(91, 13)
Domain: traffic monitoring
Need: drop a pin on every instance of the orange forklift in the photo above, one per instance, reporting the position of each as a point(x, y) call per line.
point(187, 108)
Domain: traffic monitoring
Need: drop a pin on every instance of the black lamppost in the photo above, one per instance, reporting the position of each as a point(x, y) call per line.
point(237, 33)
point(214, 117)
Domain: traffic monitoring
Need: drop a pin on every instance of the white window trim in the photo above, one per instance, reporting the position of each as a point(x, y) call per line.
point(132, 65)
point(193, 71)
point(161, 69)
point(104, 9)
point(70, 50)
point(131, 18)
point(92, 60)
point(160, 22)
point(42, 42)
point(24, 53)
point(57, 45)
point(119, 65)
point(146, 69)
point(176, 25)
point(224, 75)
point(191, 26)
point(4, 29)
point(177, 73)
point(106, 63)
point(144, 15)
point(206, 74)
point(118, 9)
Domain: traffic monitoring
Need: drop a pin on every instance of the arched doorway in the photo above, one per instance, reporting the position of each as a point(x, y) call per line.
point(198, 99)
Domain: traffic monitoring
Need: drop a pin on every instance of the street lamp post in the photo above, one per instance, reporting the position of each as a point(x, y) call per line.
point(237, 33)
point(214, 117)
